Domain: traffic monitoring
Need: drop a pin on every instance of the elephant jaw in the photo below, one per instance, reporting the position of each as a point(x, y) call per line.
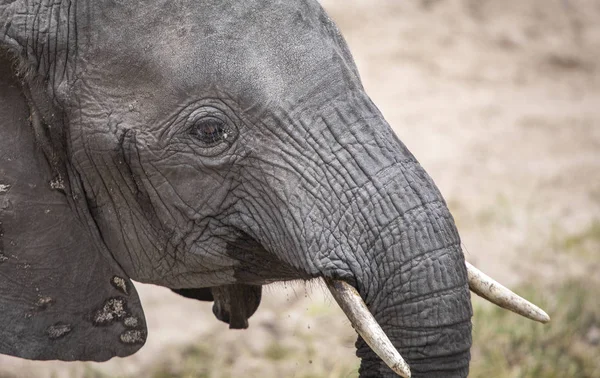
point(367, 327)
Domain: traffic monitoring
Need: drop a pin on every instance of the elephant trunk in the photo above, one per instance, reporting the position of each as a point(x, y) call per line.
point(413, 279)
point(424, 305)
point(363, 210)
point(428, 321)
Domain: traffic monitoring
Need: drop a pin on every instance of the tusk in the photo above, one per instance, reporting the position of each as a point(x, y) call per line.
point(486, 287)
point(367, 327)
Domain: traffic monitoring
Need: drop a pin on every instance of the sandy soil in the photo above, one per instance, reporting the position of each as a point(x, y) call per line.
point(500, 103)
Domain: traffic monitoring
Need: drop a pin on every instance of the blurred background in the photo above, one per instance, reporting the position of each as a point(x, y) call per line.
point(500, 102)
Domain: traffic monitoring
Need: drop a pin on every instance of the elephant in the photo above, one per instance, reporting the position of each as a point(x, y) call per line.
point(213, 147)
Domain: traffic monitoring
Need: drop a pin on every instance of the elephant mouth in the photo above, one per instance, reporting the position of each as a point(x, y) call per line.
point(367, 327)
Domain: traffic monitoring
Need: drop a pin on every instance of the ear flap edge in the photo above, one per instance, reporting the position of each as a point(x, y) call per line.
point(61, 295)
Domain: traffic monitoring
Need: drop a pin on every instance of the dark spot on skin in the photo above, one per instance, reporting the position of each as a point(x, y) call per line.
point(6, 204)
point(182, 32)
point(43, 303)
point(120, 284)
point(258, 265)
point(133, 336)
point(113, 309)
point(58, 330)
point(209, 30)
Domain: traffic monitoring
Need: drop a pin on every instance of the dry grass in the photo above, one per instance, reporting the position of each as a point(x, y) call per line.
point(508, 346)
point(505, 345)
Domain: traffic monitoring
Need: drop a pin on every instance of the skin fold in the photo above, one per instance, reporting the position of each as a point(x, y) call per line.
point(210, 147)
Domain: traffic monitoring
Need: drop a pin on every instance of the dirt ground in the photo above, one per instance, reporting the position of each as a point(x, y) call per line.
point(500, 101)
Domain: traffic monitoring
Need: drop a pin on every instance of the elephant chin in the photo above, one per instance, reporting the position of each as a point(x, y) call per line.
point(233, 304)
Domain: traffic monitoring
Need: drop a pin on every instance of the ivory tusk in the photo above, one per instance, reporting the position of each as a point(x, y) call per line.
point(486, 287)
point(367, 327)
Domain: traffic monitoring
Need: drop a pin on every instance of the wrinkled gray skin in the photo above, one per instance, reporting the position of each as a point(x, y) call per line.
point(114, 164)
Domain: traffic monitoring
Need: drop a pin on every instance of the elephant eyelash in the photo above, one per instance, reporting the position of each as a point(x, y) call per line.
point(211, 131)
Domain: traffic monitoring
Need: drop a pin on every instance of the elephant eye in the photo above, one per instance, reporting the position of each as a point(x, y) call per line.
point(211, 131)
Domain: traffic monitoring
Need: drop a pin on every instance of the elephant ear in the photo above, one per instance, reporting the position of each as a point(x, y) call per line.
point(62, 296)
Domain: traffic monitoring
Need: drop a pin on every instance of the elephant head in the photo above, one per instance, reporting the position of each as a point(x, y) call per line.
point(212, 147)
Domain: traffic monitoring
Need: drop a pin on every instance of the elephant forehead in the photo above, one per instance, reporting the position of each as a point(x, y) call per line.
point(257, 51)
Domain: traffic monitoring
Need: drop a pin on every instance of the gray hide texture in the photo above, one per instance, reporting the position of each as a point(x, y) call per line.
point(210, 147)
